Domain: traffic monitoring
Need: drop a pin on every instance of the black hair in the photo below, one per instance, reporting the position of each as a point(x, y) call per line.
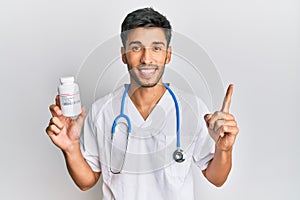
point(145, 17)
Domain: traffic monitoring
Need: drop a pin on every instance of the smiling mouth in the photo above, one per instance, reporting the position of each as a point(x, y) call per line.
point(146, 72)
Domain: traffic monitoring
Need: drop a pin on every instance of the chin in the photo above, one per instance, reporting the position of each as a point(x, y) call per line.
point(149, 85)
point(146, 84)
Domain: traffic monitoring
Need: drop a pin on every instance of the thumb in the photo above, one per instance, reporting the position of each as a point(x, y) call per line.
point(207, 117)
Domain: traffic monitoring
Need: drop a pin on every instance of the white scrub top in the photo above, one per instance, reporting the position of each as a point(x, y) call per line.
point(149, 170)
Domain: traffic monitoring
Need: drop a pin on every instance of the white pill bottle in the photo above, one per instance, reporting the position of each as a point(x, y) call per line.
point(69, 97)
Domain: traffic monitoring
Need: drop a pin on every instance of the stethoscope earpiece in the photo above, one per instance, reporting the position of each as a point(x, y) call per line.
point(179, 155)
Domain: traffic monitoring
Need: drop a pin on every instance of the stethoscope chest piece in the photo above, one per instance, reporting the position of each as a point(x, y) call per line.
point(179, 155)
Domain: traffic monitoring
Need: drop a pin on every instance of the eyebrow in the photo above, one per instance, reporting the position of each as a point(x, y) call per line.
point(134, 42)
point(138, 42)
point(162, 43)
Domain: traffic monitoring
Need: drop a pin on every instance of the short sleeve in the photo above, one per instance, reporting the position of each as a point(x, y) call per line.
point(204, 146)
point(89, 143)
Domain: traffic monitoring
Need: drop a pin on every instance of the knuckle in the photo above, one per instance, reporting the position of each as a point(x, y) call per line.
point(214, 115)
point(222, 115)
point(52, 127)
point(55, 108)
point(54, 120)
point(231, 123)
point(231, 116)
point(217, 113)
point(234, 123)
point(51, 107)
point(219, 123)
point(226, 115)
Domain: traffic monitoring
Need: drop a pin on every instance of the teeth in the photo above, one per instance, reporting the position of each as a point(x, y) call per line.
point(147, 71)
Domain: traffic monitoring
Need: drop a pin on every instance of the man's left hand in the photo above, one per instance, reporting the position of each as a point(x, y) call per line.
point(221, 125)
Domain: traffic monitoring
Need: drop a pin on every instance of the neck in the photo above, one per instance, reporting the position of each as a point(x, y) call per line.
point(145, 98)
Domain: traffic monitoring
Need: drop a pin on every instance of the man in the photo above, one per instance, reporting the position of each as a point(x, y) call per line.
point(146, 36)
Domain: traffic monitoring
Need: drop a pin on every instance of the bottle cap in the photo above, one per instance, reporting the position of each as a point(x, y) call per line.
point(68, 79)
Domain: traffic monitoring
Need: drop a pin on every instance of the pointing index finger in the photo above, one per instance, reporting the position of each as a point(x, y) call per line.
point(227, 99)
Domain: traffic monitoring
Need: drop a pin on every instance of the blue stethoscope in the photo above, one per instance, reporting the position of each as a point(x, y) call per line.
point(178, 155)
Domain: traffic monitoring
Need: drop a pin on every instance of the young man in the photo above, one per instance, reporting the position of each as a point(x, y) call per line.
point(148, 170)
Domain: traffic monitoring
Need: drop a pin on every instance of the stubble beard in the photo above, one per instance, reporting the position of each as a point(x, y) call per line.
point(140, 81)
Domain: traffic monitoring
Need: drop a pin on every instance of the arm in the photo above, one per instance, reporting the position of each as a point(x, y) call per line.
point(223, 129)
point(64, 133)
point(81, 173)
point(219, 167)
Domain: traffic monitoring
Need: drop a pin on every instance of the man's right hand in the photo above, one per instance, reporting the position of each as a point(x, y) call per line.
point(64, 131)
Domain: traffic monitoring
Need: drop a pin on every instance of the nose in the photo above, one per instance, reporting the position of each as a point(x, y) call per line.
point(146, 57)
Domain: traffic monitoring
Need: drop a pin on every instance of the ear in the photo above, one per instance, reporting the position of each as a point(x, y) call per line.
point(123, 55)
point(169, 53)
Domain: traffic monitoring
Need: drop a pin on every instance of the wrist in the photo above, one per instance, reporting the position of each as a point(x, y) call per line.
point(72, 149)
point(223, 151)
point(223, 157)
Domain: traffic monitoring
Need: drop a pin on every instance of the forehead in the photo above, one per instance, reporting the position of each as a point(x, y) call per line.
point(146, 35)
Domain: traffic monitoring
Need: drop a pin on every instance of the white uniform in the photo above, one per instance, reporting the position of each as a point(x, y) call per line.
point(149, 170)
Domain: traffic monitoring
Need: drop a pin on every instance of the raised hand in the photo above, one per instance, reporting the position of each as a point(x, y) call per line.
point(64, 131)
point(221, 125)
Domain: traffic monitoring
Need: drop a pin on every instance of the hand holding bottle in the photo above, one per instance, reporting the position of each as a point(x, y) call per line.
point(64, 131)
point(67, 116)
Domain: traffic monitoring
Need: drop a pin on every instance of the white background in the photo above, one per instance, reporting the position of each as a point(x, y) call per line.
point(254, 44)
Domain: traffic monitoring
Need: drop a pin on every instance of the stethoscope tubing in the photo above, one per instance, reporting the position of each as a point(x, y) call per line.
point(178, 155)
point(177, 115)
point(122, 115)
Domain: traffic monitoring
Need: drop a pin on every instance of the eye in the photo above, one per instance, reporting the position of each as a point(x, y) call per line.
point(136, 48)
point(157, 48)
